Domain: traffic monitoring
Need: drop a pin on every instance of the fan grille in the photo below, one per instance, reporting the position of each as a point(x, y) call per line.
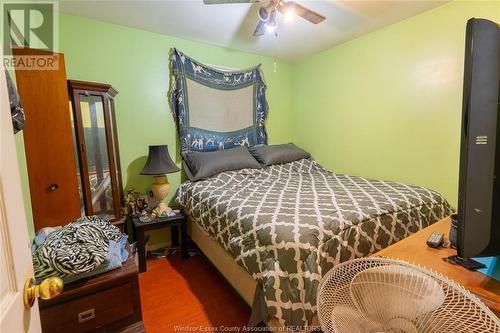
point(384, 295)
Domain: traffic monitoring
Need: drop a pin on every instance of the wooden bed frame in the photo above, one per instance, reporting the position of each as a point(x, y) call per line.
point(236, 275)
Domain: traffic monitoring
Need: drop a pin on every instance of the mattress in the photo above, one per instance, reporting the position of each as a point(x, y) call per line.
point(289, 224)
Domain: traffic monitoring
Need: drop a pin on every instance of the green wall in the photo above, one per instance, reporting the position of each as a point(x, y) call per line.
point(136, 63)
point(385, 105)
point(388, 104)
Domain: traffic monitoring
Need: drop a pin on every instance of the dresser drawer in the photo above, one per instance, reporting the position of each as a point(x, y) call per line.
point(89, 313)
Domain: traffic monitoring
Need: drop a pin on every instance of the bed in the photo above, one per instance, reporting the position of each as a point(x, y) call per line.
point(273, 232)
point(286, 225)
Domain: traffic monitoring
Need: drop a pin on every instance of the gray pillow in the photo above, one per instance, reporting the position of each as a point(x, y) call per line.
point(277, 154)
point(202, 165)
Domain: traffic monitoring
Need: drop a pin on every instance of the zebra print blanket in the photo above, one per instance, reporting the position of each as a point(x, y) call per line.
point(288, 224)
point(78, 247)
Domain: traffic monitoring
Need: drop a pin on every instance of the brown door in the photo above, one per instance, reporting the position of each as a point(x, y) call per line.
point(48, 143)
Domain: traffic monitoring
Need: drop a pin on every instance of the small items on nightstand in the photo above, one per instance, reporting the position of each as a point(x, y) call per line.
point(158, 164)
point(135, 202)
point(175, 222)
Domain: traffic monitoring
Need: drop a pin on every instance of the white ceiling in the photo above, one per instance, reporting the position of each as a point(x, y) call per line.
point(232, 25)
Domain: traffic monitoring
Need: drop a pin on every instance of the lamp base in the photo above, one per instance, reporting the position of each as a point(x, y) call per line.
point(160, 189)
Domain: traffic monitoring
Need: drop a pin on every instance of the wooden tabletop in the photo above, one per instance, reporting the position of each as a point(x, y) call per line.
point(413, 249)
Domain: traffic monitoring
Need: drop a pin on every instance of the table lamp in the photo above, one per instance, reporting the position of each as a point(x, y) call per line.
point(158, 164)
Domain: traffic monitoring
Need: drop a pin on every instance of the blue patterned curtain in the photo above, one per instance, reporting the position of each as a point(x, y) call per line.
point(214, 108)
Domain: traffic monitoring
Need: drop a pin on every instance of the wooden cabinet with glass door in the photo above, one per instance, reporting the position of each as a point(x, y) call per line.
point(96, 143)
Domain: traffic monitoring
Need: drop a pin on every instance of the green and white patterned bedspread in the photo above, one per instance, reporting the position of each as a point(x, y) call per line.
point(288, 224)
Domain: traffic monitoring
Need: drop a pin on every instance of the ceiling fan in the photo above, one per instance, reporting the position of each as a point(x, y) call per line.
point(267, 12)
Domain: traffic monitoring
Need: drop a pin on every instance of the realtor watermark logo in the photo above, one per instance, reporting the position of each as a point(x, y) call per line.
point(30, 35)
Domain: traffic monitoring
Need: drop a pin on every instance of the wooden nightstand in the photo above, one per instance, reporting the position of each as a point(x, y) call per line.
point(109, 302)
point(175, 222)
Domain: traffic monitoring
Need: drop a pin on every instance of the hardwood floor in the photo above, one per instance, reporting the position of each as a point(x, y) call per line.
point(188, 294)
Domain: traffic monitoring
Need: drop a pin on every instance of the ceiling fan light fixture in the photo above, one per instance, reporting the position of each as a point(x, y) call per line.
point(270, 27)
point(267, 13)
point(289, 14)
point(264, 14)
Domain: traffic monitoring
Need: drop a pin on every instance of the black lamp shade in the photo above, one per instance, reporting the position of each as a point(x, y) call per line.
point(159, 162)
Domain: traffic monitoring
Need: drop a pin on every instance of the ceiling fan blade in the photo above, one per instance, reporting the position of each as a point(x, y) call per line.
point(260, 29)
point(217, 2)
point(301, 11)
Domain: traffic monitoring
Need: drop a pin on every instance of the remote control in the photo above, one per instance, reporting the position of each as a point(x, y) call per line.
point(435, 239)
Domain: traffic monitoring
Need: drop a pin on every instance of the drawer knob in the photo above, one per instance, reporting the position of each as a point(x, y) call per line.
point(53, 187)
point(86, 315)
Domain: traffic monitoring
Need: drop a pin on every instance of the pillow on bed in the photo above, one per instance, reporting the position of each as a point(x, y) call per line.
point(202, 165)
point(277, 154)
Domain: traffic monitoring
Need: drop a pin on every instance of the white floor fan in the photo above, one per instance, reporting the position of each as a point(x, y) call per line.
point(375, 295)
